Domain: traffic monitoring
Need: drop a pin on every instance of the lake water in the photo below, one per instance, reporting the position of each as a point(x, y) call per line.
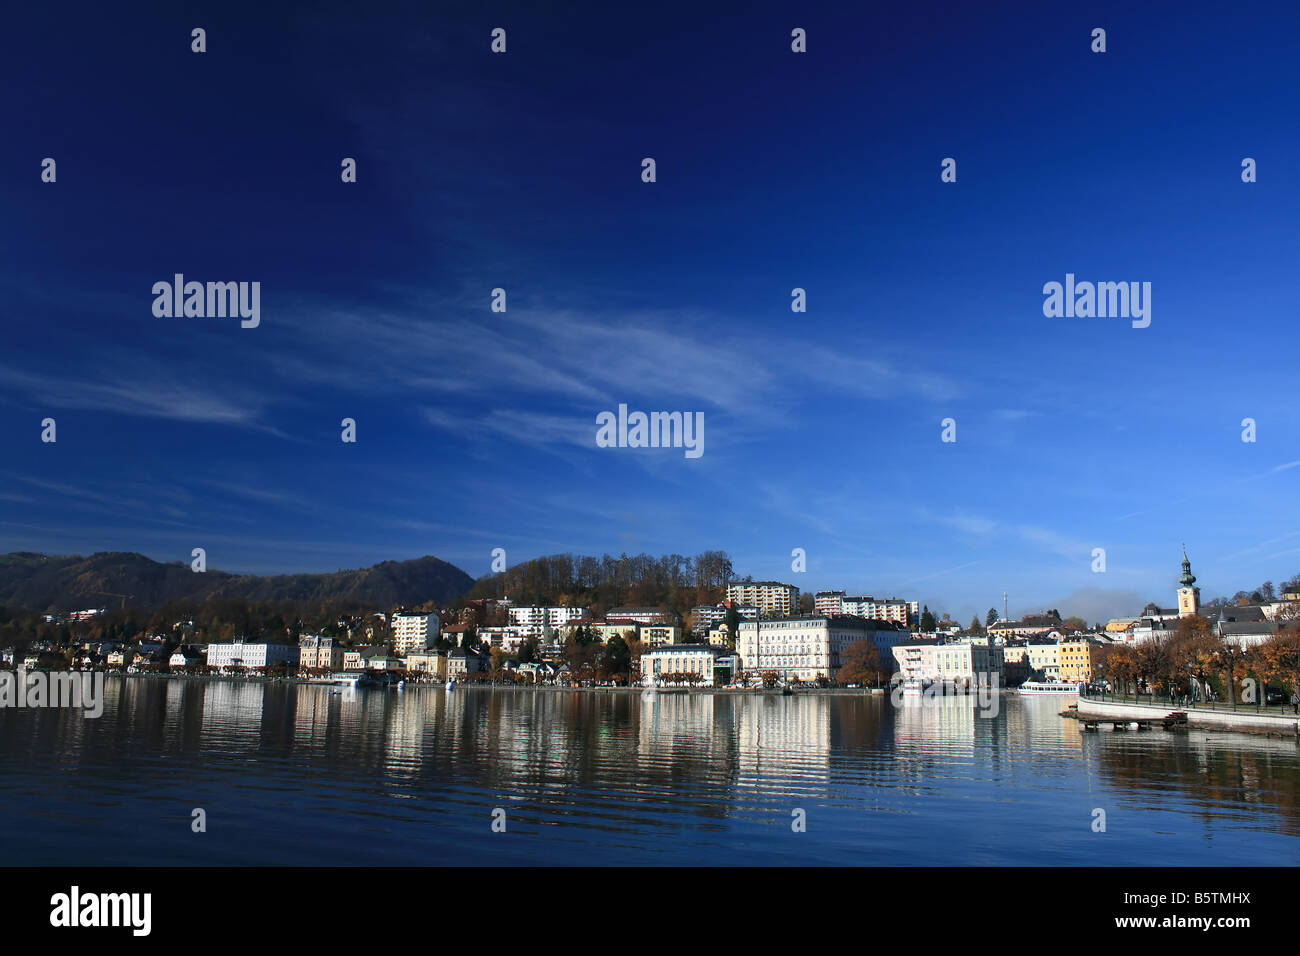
point(309, 775)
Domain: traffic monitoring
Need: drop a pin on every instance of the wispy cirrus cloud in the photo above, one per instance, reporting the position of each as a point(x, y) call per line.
point(130, 393)
point(594, 360)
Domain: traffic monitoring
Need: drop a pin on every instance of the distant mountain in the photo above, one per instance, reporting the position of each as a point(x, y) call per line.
point(66, 583)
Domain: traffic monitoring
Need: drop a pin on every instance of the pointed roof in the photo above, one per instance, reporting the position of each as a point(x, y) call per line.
point(1187, 579)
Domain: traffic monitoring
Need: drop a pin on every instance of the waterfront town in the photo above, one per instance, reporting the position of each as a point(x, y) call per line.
point(761, 634)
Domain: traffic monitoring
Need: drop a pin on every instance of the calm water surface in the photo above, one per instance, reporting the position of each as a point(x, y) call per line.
point(307, 775)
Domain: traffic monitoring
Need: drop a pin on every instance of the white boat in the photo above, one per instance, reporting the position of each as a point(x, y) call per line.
point(451, 685)
point(1039, 688)
point(341, 679)
point(912, 687)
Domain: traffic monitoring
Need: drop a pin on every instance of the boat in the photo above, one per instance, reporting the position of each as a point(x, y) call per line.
point(1039, 688)
point(912, 687)
point(451, 685)
point(341, 679)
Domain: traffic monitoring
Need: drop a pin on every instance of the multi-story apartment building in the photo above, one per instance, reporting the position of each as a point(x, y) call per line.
point(890, 609)
point(414, 632)
point(242, 652)
point(917, 659)
point(536, 619)
point(1044, 659)
point(1076, 660)
point(772, 598)
point(808, 647)
point(963, 663)
point(828, 602)
point(706, 617)
point(969, 664)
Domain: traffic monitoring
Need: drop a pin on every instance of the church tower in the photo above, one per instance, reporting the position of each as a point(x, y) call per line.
point(1189, 596)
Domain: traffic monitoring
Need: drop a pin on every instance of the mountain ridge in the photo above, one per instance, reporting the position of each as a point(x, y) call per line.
point(74, 582)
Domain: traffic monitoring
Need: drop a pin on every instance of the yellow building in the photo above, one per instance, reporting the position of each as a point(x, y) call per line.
point(1077, 659)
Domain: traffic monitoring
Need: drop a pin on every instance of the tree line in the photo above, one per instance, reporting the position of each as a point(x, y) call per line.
point(672, 581)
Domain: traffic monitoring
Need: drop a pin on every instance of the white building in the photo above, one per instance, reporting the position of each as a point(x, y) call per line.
point(359, 657)
point(508, 638)
point(829, 602)
point(965, 663)
point(1044, 659)
point(772, 598)
point(185, 657)
point(414, 632)
point(242, 652)
point(917, 660)
point(809, 647)
point(709, 663)
point(706, 617)
point(892, 609)
point(535, 619)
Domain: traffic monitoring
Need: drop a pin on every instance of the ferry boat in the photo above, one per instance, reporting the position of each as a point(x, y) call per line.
point(1039, 688)
point(341, 679)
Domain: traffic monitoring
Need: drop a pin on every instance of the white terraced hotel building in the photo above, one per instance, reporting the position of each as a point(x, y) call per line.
point(809, 647)
point(772, 598)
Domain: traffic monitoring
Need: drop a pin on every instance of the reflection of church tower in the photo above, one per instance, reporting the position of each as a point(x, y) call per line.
point(1189, 596)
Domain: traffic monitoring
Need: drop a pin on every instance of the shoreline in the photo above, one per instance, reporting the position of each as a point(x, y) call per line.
point(463, 685)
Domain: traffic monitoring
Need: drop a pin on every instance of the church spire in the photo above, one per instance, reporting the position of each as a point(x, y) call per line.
point(1187, 579)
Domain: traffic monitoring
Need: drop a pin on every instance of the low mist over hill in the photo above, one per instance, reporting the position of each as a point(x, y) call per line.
point(101, 580)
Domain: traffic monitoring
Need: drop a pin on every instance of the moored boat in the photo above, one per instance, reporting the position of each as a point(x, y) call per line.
point(1038, 688)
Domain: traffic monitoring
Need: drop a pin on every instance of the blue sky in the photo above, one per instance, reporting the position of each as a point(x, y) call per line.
point(476, 430)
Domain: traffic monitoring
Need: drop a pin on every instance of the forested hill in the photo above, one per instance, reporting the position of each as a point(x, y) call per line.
point(671, 581)
point(108, 578)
